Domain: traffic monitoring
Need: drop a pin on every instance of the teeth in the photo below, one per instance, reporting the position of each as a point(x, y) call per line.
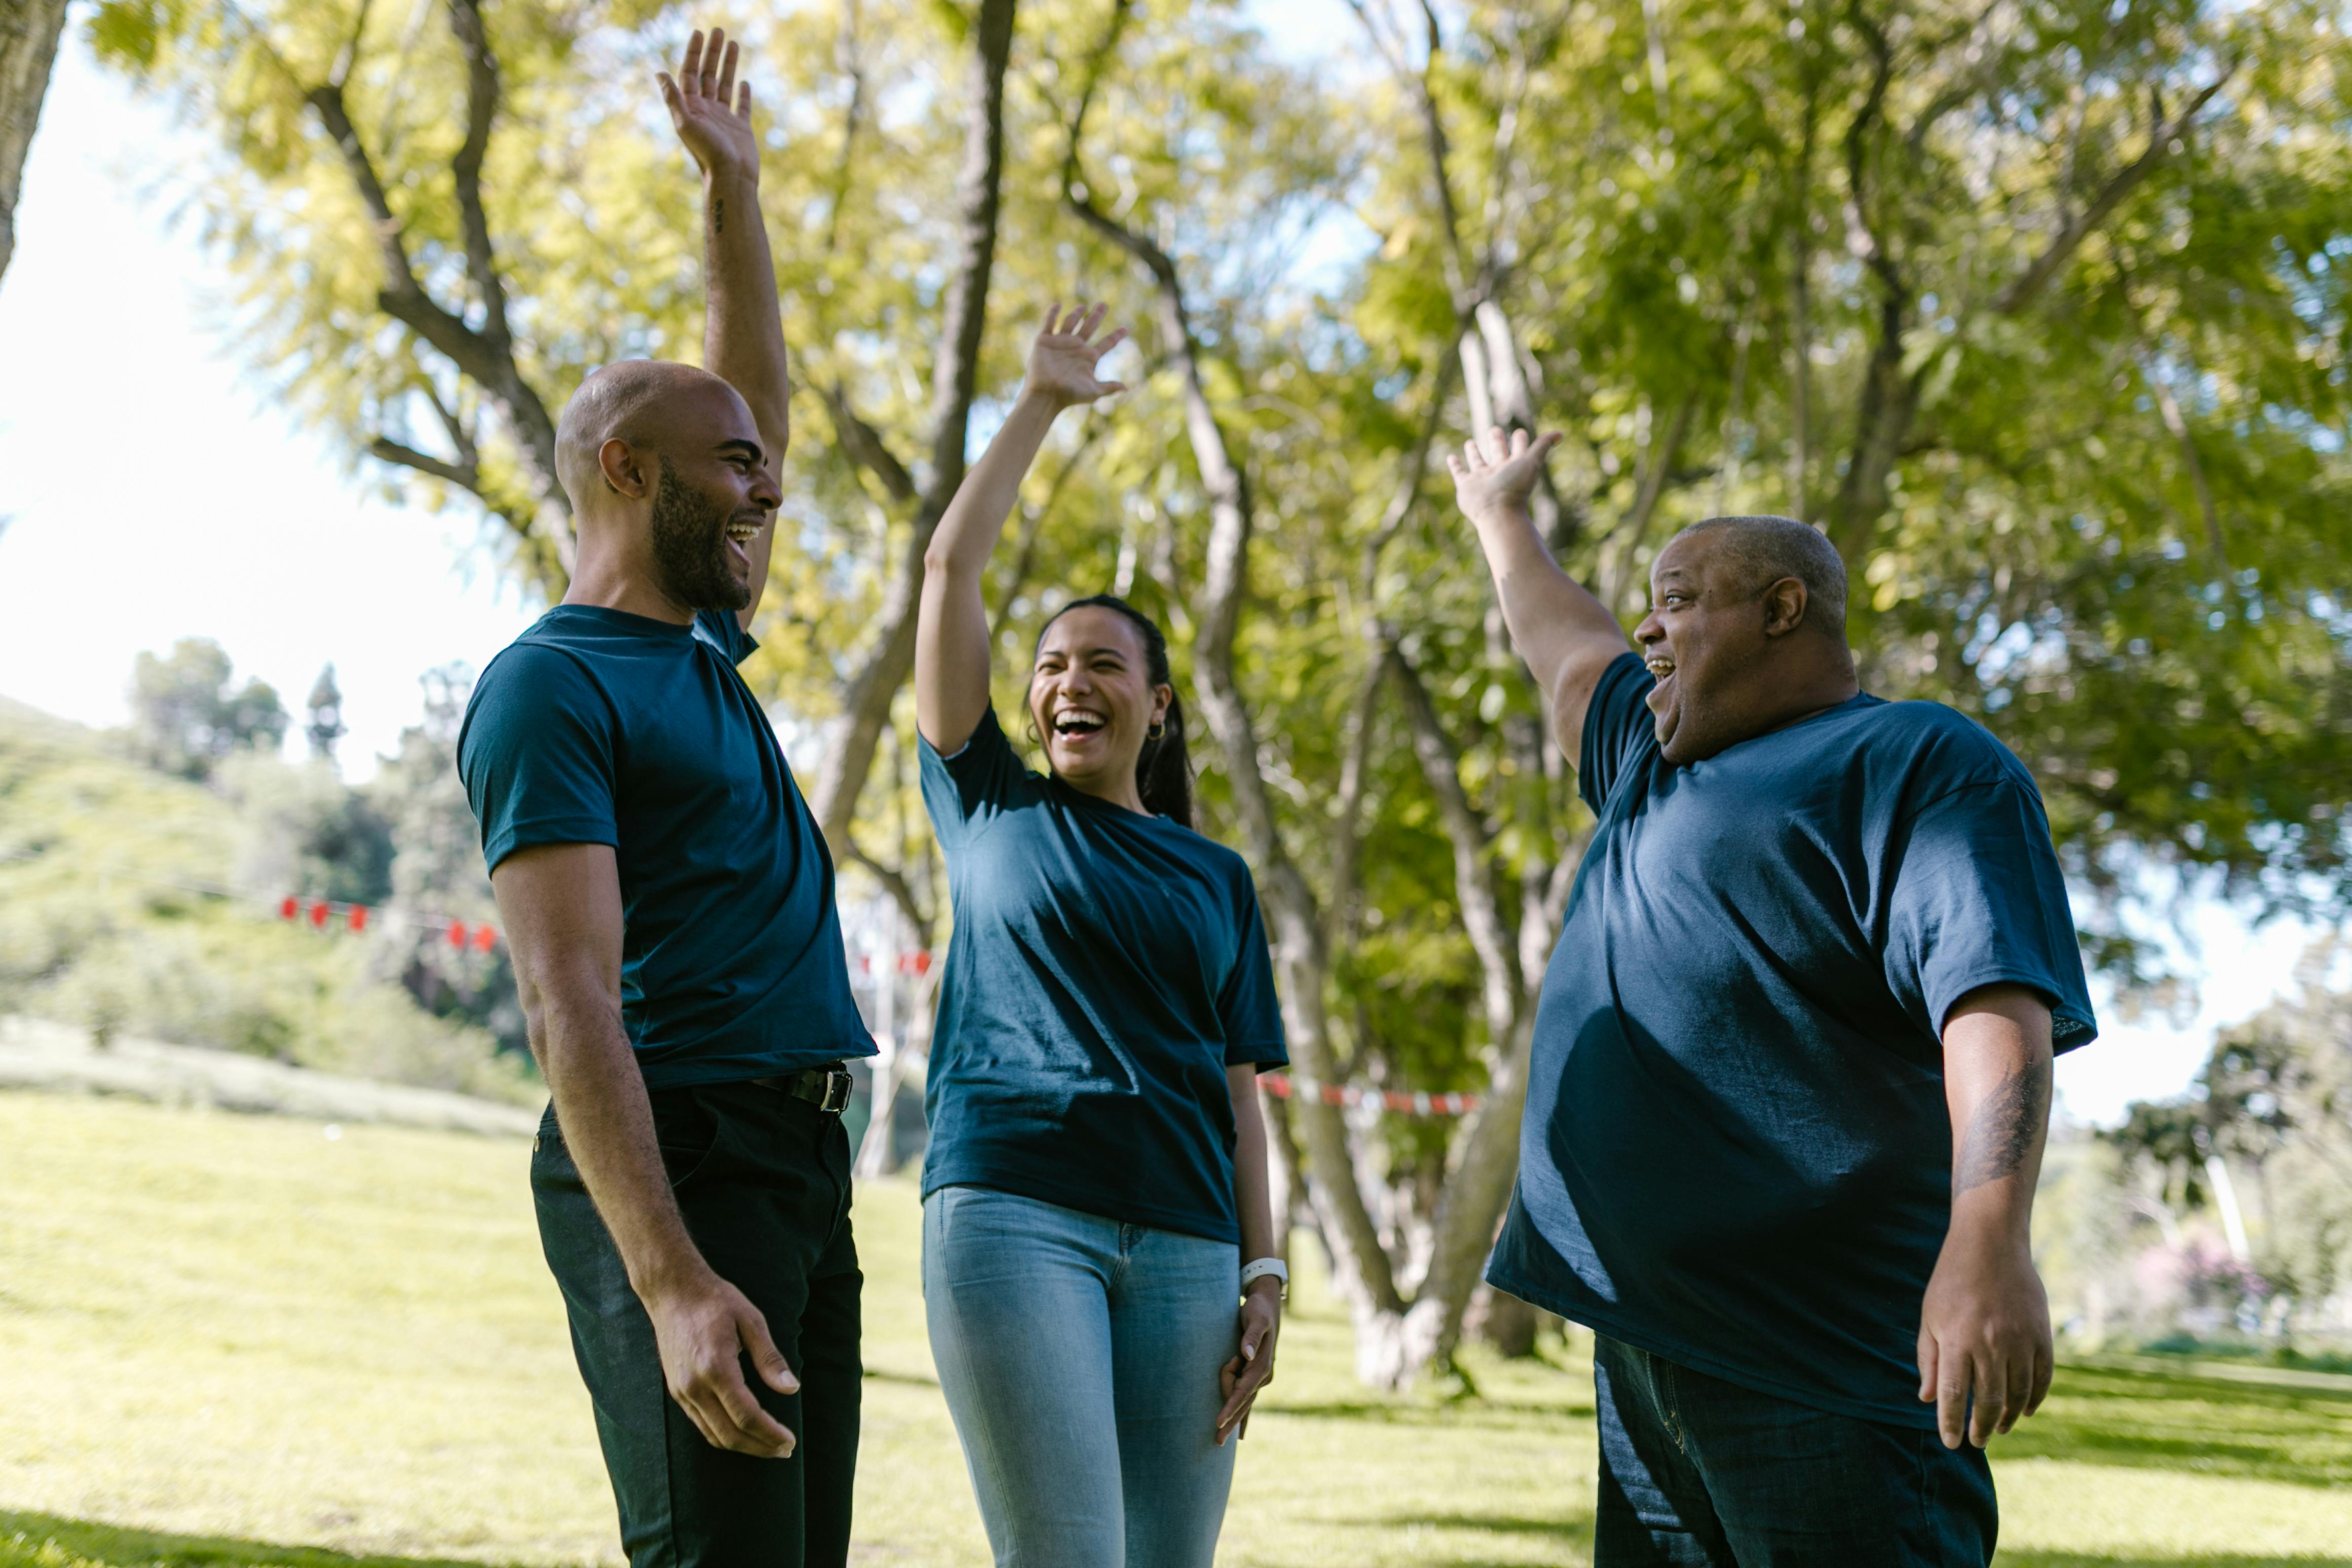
point(1659, 667)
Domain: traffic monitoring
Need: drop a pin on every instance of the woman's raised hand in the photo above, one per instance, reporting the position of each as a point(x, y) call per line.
point(1062, 361)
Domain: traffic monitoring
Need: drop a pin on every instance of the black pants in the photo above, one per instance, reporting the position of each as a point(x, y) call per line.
point(763, 1180)
point(1699, 1473)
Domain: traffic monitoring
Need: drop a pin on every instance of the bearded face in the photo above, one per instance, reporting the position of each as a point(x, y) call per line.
point(699, 566)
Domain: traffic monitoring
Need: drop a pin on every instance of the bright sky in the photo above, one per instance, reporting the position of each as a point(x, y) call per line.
point(154, 495)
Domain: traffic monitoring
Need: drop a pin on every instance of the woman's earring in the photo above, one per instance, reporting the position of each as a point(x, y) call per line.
point(1156, 731)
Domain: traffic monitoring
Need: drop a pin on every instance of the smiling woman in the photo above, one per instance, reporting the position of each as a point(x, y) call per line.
point(1096, 1173)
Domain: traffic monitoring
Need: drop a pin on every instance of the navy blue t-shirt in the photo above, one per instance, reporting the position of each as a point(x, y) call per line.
point(1736, 1152)
point(596, 727)
point(1107, 966)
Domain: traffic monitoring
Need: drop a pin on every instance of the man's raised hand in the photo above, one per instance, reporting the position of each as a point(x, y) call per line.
point(1494, 475)
point(712, 113)
point(1062, 361)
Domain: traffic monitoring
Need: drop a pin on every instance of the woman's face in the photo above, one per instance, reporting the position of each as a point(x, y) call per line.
point(1093, 701)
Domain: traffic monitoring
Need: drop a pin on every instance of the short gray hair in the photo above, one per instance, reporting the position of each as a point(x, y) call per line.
point(1764, 549)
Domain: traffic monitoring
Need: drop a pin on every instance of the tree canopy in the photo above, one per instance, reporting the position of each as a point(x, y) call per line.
point(2036, 307)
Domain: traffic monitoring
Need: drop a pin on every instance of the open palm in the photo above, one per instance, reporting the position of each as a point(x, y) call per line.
point(713, 115)
point(1062, 361)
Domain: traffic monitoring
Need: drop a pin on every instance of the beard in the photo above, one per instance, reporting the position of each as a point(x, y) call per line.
point(690, 542)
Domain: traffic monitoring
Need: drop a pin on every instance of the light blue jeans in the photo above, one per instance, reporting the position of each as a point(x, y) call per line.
point(1079, 1357)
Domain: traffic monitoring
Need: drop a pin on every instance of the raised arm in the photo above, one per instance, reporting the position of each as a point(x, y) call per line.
point(561, 904)
point(1566, 635)
point(743, 326)
point(951, 627)
point(1985, 1353)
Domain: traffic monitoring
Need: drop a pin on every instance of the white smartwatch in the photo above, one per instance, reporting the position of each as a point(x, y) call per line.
point(1259, 1268)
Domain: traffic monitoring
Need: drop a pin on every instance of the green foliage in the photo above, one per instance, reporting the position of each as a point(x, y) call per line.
point(2044, 327)
point(185, 718)
point(123, 907)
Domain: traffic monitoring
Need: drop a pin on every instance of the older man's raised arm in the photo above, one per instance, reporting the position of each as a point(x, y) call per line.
point(1567, 636)
point(743, 326)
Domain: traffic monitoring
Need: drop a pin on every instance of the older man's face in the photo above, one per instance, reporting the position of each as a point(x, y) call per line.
point(1704, 633)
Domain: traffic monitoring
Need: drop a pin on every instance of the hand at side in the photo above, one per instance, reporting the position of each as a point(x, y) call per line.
point(1241, 1378)
point(705, 1326)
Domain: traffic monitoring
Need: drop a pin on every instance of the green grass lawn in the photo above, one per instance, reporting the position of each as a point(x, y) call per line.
point(234, 1341)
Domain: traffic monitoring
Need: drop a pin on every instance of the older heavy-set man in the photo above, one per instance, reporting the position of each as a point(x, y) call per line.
point(1792, 1062)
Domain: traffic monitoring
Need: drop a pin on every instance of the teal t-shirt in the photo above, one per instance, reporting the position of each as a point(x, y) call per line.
point(1107, 966)
point(1735, 1152)
point(596, 727)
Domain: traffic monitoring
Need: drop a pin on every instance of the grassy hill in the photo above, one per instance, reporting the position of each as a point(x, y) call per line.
point(121, 910)
point(226, 1337)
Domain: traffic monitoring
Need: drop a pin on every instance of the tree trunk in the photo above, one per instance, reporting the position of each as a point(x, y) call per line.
point(28, 50)
point(955, 377)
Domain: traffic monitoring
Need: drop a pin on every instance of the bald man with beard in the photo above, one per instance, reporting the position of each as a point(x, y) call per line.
point(1790, 1073)
point(669, 905)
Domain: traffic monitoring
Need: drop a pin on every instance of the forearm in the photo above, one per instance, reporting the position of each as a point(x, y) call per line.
point(1556, 626)
point(974, 520)
point(607, 1124)
point(743, 326)
point(1253, 1199)
point(1997, 1086)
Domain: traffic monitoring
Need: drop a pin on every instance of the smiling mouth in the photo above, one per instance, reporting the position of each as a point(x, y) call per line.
point(1659, 665)
point(740, 532)
point(1075, 723)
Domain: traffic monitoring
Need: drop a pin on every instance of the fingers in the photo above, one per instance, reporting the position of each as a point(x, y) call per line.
point(774, 1369)
point(2044, 1369)
point(708, 75)
point(746, 1427)
point(689, 70)
point(1951, 1398)
point(743, 102)
point(726, 93)
point(2017, 1390)
point(671, 99)
point(1927, 1367)
point(1119, 336)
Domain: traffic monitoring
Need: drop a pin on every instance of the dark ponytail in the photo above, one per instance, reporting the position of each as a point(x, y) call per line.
point(1163, 772)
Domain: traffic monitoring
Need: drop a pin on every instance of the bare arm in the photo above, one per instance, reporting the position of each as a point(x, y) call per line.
point(743, 326)
point(1567, 636)
point(1984, 1327)
point(951, 627)
point(561, 904)
point(1253, 1369)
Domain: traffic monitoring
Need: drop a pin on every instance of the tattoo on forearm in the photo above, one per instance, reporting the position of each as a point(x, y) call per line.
point(2001, 1134)
point(718, 215)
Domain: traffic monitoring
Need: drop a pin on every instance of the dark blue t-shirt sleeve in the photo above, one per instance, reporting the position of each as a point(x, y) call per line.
point(964, 793)
point(536, 754)
point(1617, 726)
point(1251, 1012)
point(1978, 899)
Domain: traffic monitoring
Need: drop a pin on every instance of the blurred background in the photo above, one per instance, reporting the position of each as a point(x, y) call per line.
point(2037, 308)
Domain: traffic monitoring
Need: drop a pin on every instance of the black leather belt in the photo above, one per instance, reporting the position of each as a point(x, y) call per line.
point(826, 1088)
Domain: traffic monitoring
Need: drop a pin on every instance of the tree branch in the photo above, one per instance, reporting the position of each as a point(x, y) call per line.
point(2023, 288)
point(870, 690)
point(864, 446)
point(466, 476)
point(481, 110)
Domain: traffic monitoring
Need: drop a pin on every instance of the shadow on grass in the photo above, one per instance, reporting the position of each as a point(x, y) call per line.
point(46, 1541)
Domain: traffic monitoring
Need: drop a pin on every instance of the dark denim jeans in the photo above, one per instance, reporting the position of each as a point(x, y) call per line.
point(763, 1180)
point(1699, 1473)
